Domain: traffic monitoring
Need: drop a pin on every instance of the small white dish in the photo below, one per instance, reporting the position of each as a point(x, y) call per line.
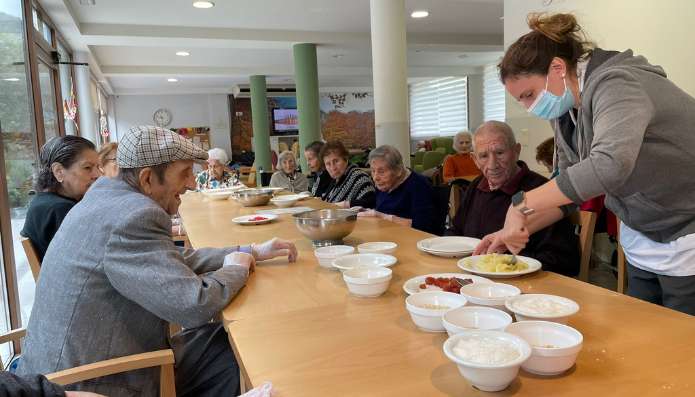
point(217, 194)
point(412, 286)
point(542, 307)
point(350, 261)
point(326, 255)
point(554, 347)
point(427, 308)
point(448, 246)
point(490, 295)
point(368, 282)
point(377, 247)
point(475, 317)
point(488, 377)
point(284, 201)
point(254, 219)
point(470, 265)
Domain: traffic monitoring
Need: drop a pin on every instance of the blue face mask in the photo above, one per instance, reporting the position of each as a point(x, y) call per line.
point(549, 106)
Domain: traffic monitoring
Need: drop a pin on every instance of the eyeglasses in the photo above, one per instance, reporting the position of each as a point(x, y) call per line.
point(110, 159)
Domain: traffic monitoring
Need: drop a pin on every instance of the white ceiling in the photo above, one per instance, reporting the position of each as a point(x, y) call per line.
point(132, 43)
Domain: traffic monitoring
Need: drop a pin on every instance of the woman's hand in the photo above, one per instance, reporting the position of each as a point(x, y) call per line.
point(515, 234)
point(368, 214)
point(343, 204)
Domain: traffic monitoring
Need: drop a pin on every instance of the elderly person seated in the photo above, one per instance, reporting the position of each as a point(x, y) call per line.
point(483, 208)
point(319, 178)
point(403, 196)
point(216, 176)
point(113, 280)
point(67, 168)
point(288, 177)
point(461, 164)
point(350, 186)
point(107, 160)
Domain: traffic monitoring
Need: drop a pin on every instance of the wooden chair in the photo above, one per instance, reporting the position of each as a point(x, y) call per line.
point(622, 268)
point(586, 221)
point(161, 358)
point(32, 257)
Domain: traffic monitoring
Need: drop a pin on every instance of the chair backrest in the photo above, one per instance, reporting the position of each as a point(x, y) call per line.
point(622, 269)
point(586, 220)
point(160, 358)
point(32, 257)
point(251, 181)
point(418, 158)
point(432, 159)
point(441, 205)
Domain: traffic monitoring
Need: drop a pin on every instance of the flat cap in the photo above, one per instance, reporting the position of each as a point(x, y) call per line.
point(147, 146)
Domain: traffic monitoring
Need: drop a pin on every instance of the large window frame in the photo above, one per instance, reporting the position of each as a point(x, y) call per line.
point(36, 49)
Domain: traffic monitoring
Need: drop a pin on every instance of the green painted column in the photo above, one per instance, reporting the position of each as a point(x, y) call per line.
point(307, 83)
point(261, 130)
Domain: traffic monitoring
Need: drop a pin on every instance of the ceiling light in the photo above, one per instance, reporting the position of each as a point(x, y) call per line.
point(11, 79)
point(419, 51)
point(172, 80)
point(337, 56)
point(463, 56)
point(203, 4)
point(183, 53)
point(420, 14)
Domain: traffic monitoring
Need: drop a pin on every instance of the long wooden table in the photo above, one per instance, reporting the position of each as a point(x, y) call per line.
point(297, 326)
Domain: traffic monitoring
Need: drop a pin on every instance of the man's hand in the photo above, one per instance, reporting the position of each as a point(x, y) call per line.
point(274, 248)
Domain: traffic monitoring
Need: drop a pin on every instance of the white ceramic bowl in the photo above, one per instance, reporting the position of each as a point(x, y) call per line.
point(542, 307)
point(214, 194)
point(377, 247)
point(475, 317)
point(430, 318)
point(283, 202)
point(368, 282)
point(554, 347)
point(488, 377)
point(350, 261)
point(326, 255)
point(489, 295)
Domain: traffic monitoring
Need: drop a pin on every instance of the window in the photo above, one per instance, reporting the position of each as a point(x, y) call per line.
point(67, 91)
point(493, 94)
point(438, 107)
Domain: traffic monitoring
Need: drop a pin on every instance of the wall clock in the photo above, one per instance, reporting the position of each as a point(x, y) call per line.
point(162, 117)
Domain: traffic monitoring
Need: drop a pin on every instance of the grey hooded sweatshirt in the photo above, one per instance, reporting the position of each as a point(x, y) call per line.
point(635, 143)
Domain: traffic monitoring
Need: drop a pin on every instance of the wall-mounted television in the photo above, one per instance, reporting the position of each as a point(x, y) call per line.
point(285, 121)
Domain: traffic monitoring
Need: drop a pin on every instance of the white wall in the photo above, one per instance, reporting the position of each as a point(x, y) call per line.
point(186, 110)
point(659, 30)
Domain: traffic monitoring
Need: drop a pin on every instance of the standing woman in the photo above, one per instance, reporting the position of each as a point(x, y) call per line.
point(68, 166)
point(622, 129)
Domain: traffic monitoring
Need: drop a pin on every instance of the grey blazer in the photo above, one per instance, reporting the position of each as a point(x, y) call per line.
point(112, 280)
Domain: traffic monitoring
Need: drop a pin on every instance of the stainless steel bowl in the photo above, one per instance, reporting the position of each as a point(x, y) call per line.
point(253, 197)
point(326, 227)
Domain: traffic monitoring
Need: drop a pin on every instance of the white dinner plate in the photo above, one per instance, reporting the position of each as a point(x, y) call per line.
point(249, 219)
point(448, 244)
point(412, 286)
point(469, 265)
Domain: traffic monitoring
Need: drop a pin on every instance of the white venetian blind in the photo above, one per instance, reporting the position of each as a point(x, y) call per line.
point(438, 107)
point(493, 94)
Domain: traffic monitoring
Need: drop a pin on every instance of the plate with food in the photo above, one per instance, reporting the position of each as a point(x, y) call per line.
point(254, 219)
point(449, 282)
point(499, 265)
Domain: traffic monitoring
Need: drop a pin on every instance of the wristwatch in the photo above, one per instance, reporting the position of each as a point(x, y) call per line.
point(519, 202)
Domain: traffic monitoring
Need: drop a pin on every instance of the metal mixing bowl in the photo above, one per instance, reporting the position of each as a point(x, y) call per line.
point(326, 227)
point(253, 197)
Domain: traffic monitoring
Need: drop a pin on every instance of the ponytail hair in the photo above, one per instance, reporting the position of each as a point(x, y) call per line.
point(556, 35)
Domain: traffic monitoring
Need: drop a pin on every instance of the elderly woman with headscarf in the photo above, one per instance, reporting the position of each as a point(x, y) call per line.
point(287, 176)
point(350, 186)
point(216, 176)
point(461, 164)
point(68, 166)
point(403, 196)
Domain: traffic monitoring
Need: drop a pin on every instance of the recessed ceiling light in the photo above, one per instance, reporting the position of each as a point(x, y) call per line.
point(337, 56)
point(11, 79)
point(203, 4)
point(183, 53)
point(463, 56)
point(172, 80)
point(419, 50)
point(420, 14)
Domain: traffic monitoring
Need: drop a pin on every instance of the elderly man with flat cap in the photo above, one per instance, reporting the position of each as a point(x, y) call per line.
point(112, 279)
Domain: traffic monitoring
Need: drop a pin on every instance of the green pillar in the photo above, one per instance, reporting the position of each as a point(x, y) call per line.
point(307, 81)
point(261, 131)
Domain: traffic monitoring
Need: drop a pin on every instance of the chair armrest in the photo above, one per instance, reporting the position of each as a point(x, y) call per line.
point(113, 366)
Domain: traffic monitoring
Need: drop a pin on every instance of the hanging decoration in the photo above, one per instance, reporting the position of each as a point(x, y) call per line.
point(70, 107)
